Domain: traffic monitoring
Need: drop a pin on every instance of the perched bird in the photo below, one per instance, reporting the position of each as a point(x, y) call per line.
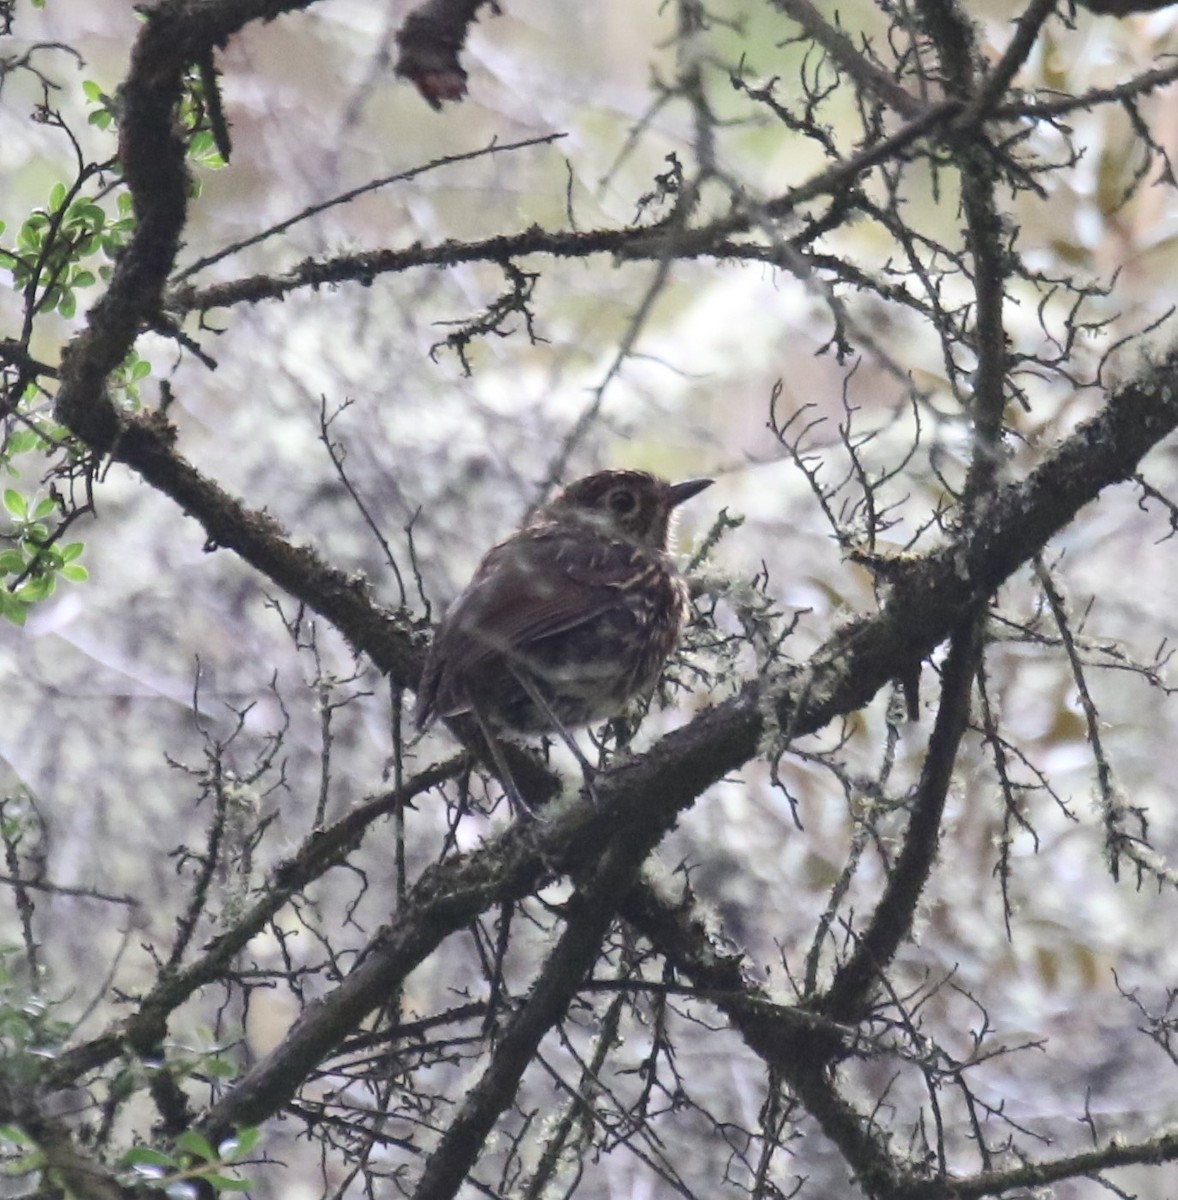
point(570, 617)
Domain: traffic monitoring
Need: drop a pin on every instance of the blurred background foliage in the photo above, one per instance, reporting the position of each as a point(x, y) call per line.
point(124, 693)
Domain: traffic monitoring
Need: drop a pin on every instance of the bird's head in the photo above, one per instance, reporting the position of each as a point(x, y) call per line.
point(633, 504)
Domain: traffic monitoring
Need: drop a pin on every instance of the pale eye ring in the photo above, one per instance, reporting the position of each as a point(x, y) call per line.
point(622, 501)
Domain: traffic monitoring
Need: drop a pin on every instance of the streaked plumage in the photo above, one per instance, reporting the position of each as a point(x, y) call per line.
point(583, 603)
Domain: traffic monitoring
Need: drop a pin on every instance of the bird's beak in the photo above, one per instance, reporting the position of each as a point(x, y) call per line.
point(690, 487)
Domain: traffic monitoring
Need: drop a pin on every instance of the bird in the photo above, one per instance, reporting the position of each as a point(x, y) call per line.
point(571, 617)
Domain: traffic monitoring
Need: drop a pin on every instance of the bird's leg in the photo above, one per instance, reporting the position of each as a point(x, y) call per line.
point(588, 770)
point(519, 805)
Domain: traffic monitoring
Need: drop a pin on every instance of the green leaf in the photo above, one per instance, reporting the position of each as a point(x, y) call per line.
point(72, 550)
point(15, 1135)
point(88, 213)
point(197, 1144)
point(148, 1156)
point(226, 1183)
point(12, 562)
point(75, 574)
point(68, 305)
point(83, 278)
point(240, 1145)
point(15, 503)
point(22, 441)
point(44, 508)
point(11, 609)
point(40, 588)
point(56, 196)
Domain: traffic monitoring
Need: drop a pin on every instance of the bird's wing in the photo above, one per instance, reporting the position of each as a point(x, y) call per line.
point(526, 589)
point(531, 588)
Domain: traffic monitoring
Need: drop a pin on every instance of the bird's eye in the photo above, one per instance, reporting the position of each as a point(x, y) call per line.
point(622, 501)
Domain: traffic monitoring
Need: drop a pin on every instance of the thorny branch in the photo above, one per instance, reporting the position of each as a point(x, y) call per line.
point(941, 596)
